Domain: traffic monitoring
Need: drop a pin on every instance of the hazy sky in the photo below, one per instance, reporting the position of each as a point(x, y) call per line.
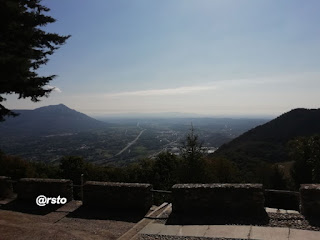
point(210, 57)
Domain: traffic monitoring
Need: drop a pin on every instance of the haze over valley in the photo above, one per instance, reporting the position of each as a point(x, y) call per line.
point(48, 133)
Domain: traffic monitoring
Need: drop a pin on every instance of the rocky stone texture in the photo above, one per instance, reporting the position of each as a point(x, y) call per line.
point(6, 189)
point(132, 196)
point(282, 199)
point(274, 219)
point(28, 189)
point(219, 199)
point(310, 200)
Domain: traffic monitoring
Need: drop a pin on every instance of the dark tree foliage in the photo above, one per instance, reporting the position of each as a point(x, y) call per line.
point(221, 170)
point(305, 152)
point(141, 171)
point(166, 171)
point(72, 167)
point(193, 156)
point(16, 168)
point(271, 176)
point(24, 47)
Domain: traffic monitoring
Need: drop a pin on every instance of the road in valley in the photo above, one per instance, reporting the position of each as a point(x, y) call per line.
point(130, 143)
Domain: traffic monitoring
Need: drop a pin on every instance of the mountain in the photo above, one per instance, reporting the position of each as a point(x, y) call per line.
point(267, 142)
point(54, 119)
point(175, 115)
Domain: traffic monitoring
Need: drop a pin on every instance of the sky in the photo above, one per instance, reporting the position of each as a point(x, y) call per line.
point(219, 58)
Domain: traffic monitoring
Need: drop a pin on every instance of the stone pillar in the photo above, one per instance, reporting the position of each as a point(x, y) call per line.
point(112, 195)
point(218, 199)
point(28, 189)
point(310, 200)
point(6, 189)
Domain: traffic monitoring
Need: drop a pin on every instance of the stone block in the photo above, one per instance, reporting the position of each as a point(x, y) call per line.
point(227, 232)
point(310, 200)
point(6, 189)
point(28, 189)
point(296, 234)
point(132, 196)
point(274, 233)
point(225, 199)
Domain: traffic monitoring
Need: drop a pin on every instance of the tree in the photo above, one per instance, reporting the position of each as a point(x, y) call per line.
point(141, 171)
point(15, 167)
point(222, 170)
point(72, 167)
point(192, 153)
point(305, 152)
point(271, 176)
point(24, 47)
point(166, 170)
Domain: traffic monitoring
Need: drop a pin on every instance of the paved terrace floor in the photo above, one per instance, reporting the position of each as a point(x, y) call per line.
point(159, 230)
point(225, 232)
point(68, 222)
point(73, 222)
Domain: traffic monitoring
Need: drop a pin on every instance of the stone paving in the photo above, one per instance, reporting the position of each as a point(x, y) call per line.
point(228, 231)
point(70, 221)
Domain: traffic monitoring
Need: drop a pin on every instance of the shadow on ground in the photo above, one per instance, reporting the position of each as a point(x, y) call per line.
point(29, 207)
point(202, 219)
point(86, 212)
point(314, 221)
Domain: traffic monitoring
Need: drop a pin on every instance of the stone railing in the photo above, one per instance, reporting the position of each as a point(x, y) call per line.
point(29, 189)
point(186, 198)
point(134, 196)
point(6, 189)
point(226, 199)
point(310, 200)
point(282, 199)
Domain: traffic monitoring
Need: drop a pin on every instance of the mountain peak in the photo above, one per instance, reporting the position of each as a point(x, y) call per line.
point(51, 119)
point(57, 106)
point(60, 105)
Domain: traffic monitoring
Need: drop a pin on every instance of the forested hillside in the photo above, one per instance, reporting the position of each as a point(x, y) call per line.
point(268, 142)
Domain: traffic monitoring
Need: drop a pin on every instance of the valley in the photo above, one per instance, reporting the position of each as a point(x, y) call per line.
point(119, 141)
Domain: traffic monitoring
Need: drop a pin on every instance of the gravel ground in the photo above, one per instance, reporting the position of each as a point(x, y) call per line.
point(296, 221)
point(291, 220)
point(166, 237)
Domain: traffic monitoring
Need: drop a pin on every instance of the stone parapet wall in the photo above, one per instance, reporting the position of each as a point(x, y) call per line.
point(282, 199)
point(226, 199)
point(6, 189)
point(134, 196)
point(310, 200)
point(29, 189)
point(231, 199)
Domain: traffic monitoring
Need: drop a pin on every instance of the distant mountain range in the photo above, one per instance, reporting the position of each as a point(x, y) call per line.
point(137, 115)
point(267, 142)
point(52, 119)
point(175, 115)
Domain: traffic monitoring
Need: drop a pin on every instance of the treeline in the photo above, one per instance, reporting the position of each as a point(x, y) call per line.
point(163, 172)
point(167, 169)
